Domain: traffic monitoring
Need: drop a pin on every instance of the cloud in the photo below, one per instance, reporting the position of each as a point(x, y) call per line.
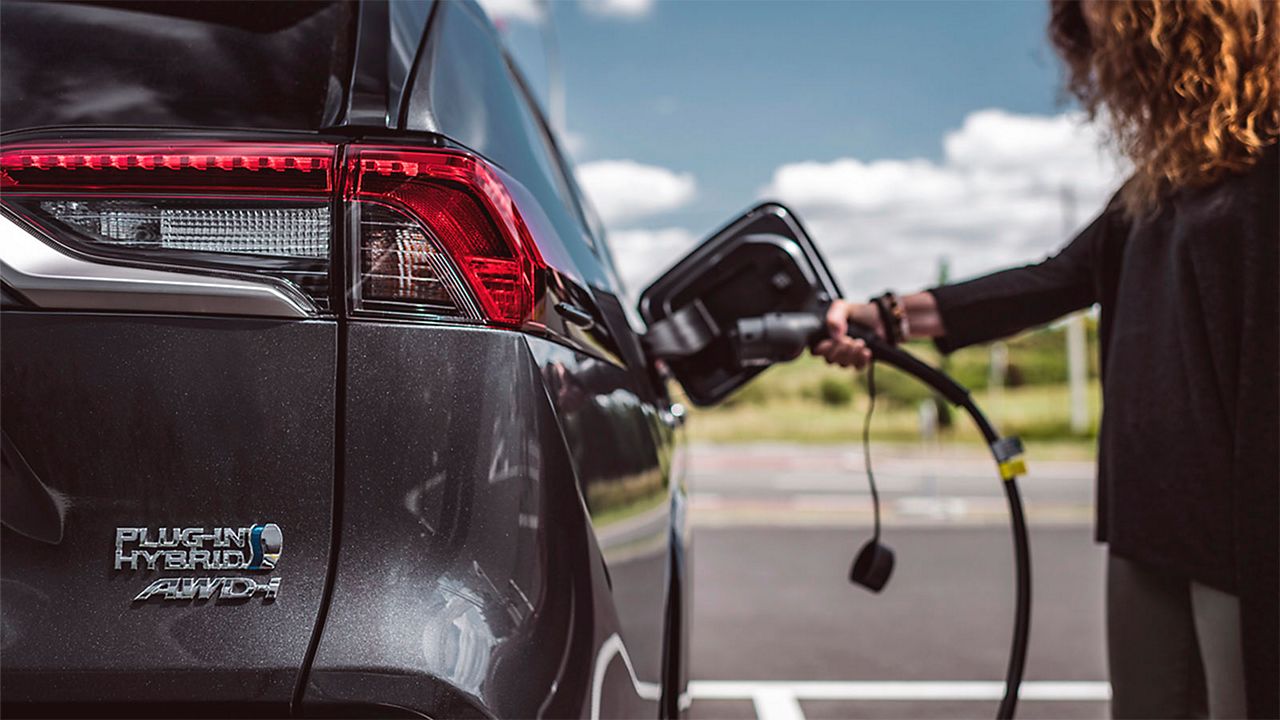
point(623, 9)
point(534, 11)
point(625, 190)
point(642, 254)
point(996, 198)
point(530, 11)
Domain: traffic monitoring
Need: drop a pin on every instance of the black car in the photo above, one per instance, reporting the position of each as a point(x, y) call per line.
point(309, 284)
point(319, 394)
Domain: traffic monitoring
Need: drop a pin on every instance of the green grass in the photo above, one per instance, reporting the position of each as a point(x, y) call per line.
point(1034, 413)
point(799, 402)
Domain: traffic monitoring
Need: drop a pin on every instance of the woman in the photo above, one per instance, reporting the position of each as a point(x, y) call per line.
point(1184, 264)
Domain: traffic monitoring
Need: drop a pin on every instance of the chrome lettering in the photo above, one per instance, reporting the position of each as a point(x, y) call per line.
point(256, 549)
point(210, 588)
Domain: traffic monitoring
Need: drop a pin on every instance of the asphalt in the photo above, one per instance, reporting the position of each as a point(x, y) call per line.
point(771, 602)
point(770, 484)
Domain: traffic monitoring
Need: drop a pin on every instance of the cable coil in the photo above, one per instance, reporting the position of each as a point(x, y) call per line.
point(1007, 454)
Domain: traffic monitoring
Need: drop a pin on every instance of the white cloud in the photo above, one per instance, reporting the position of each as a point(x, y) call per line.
point(642, 254)
point(624, 9)
point(534, 11)
point(625, 190)
point(573, 143)
point(995, 199)
point(530, 11)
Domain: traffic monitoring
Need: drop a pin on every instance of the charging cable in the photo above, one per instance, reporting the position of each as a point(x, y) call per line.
point(778, 337)
point(866, 448)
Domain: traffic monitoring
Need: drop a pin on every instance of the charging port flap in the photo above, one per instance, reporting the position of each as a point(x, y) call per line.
point(762, 262)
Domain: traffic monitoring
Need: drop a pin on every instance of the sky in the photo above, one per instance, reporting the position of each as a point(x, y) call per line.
point(901, 132)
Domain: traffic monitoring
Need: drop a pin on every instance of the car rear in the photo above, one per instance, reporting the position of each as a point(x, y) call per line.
point(276, 425)
point(169, 366)
point(192, 431)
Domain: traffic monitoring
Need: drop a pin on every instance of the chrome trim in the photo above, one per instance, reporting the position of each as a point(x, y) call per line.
point(609, 649)
point(51, 278)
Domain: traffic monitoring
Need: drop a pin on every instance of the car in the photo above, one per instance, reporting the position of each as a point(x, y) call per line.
point(320, 392)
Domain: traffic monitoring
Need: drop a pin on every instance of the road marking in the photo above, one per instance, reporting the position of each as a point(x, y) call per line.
point(776, 703)
point(829, 501)
point(780, 700)
point(838, 511)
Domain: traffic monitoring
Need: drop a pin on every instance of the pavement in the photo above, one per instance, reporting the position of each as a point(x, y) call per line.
point(771, 484)
point(778, 632)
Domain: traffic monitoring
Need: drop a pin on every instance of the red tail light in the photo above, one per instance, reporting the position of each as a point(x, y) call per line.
point(167, 167)
point(466, 208)
point(436, 233)
point(262, 209)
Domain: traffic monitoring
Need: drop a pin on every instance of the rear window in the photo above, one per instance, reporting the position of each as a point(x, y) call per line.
point(280, 65)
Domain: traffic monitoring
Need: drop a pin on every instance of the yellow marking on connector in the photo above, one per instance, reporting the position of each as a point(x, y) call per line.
point(1013, 467)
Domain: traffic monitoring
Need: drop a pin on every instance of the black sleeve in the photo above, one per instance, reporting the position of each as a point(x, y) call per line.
point(1006, 302)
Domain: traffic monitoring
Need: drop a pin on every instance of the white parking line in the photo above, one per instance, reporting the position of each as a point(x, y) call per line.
point(776, 703)
point(780, 700)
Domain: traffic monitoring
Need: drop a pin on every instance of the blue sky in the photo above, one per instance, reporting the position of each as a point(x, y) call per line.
point(736, 99)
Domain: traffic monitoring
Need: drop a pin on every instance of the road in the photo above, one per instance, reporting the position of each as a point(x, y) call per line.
point(771, 484)
point(779, 632)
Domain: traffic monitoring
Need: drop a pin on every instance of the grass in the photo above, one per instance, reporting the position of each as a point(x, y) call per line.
point(798, 402)
point(1037, 412)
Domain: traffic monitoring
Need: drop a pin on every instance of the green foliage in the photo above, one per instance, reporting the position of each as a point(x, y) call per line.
point(1036, 413)
point(809, 401)
point(753, 393)
point(895, 388)
point(835, 392)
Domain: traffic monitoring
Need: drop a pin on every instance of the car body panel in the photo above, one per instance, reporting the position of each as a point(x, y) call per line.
point(468, 572)
point(133, 421)
point(619, 451)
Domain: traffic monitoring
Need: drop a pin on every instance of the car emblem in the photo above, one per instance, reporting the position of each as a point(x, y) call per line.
point(253, 548)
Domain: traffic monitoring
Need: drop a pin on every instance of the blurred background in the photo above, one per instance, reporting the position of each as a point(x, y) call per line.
point(919, 142)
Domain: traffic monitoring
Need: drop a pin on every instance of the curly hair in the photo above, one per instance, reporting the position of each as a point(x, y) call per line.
point(1190, 88)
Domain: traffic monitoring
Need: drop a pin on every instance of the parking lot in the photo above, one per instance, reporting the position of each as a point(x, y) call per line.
point(780, 633)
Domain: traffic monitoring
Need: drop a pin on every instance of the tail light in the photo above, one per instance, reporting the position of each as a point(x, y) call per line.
point(431, 232)
point(257, 208)
point(468, 216)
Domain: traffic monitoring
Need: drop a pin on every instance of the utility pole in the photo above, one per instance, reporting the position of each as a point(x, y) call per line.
point(555, 75)
point(941, 405)
point(997, 375)
point(1077, 339)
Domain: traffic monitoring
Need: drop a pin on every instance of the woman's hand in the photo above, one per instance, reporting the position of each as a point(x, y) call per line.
point(840, 349)
point(922, 321)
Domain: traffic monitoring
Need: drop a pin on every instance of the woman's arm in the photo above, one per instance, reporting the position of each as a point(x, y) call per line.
point(985, 308)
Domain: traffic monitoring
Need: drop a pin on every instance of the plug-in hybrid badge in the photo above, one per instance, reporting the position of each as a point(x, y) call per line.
point(256, 547)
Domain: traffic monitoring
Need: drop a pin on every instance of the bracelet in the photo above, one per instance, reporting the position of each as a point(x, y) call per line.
point(893, 317)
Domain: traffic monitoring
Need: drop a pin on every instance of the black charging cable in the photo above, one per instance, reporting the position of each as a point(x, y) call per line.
point(778, 337)
point(958, 395)
point(866, 449)
point(873, 564)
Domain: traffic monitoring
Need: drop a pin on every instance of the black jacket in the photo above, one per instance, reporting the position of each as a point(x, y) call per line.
point(1188, 464)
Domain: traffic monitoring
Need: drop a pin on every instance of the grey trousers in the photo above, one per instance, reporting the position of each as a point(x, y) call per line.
point(1173, 646)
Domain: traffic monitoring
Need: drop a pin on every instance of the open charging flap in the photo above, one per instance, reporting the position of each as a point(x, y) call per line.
point(762, 262)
